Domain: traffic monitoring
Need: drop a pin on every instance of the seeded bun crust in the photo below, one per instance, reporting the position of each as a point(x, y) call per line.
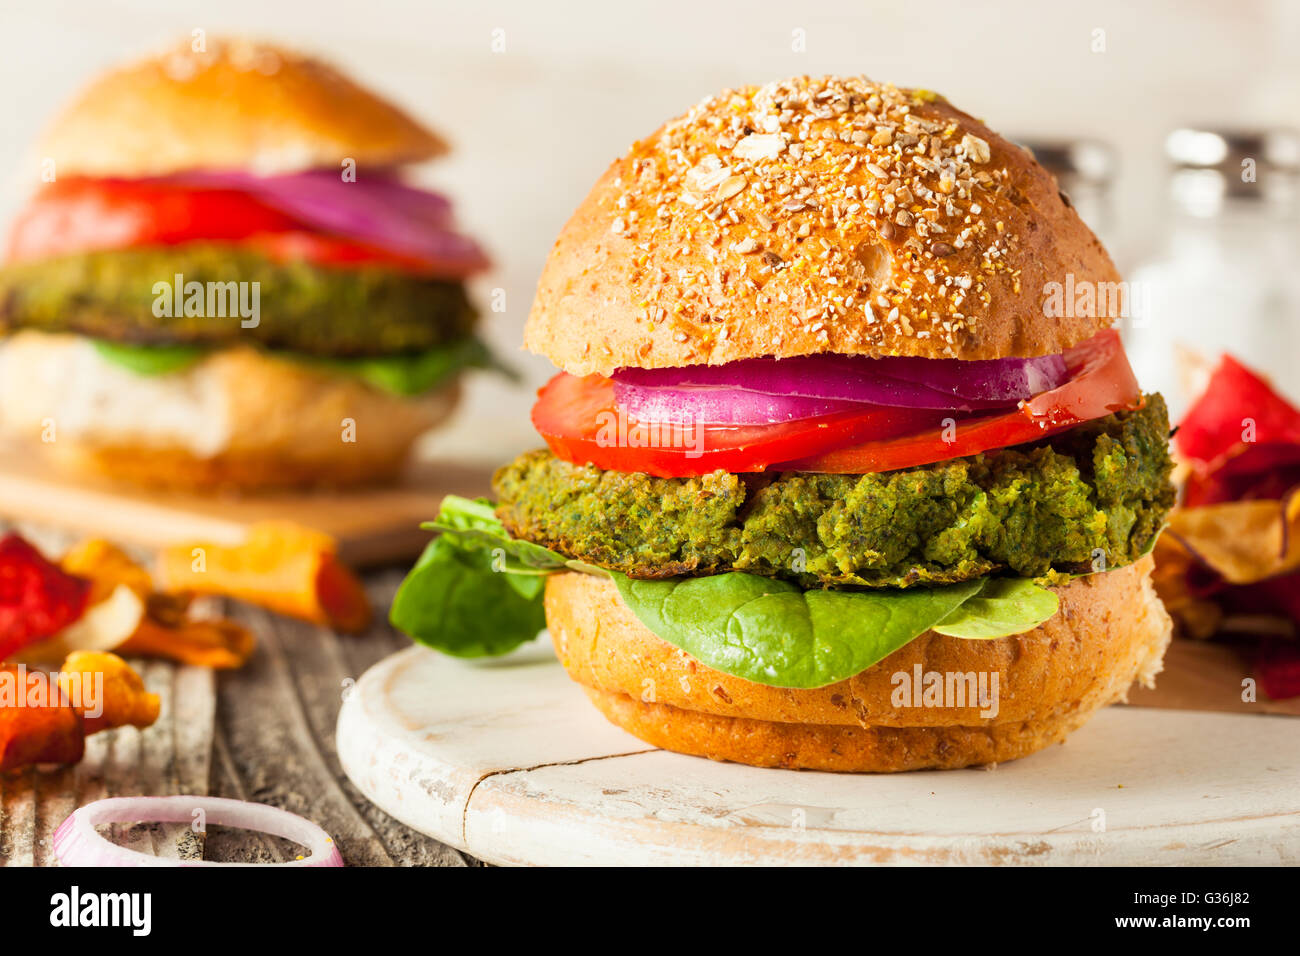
point(240, 105)
point(237, 419)
point(815, 215)
point(1110, 631)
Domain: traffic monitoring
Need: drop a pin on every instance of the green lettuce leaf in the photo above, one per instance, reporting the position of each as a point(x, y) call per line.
point(407, 375)
point(400, 375)
point(148, 359)
point(1003, 606)
point(772, 632)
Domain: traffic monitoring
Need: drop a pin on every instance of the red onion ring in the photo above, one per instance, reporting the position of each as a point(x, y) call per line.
point(78, 843)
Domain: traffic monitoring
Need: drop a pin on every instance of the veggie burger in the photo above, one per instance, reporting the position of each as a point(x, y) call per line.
point(845, 468)
point(223, 278)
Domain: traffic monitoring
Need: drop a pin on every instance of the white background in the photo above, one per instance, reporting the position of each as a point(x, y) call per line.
point(578, 81)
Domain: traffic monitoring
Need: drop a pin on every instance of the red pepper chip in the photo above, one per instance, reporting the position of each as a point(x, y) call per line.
point(1267, 470)
point(1278, 669)
point(1278, 596)
point(1242, 440)
point(1237, 409)
point(37, 598)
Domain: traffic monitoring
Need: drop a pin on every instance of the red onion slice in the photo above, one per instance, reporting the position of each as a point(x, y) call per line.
point(377, 209)
point(720, 406)
point(770, 391)
point(995, 380)
point(78, 843)
point(901, 382)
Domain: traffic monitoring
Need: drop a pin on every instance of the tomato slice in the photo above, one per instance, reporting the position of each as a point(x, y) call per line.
point(81, 215)
point(582, 423)
point(1101, 382)
point(84, 215)
point(322, 250)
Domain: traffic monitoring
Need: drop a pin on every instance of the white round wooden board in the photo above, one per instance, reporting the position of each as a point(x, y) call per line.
point(509, 762)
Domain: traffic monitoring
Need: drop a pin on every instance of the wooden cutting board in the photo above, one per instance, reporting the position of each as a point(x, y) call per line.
point(509, 762)
point(372, 525)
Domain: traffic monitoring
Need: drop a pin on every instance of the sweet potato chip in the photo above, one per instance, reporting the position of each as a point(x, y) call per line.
point(1242, 541)
point(45, 718)
point(87, 674)
point(163, 628)
point(107, 566)
point(36, 723)
point(1229, 565)
point(1196, 616)
point(220, 645)
point(282, 566)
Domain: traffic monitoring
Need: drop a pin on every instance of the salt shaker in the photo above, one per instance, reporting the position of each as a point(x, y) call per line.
point(1224, 277)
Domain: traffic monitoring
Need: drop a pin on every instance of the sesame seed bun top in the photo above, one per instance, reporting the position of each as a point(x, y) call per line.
point(235, 105)
point(815, 215)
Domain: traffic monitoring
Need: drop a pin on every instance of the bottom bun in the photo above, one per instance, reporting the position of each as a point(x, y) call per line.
point(1110, 631)
point(237, 418)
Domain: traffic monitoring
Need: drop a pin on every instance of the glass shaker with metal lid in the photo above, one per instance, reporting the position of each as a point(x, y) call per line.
point(1225, 277)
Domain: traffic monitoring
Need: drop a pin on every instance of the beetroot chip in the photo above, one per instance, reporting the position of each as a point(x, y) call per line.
point(37, 598)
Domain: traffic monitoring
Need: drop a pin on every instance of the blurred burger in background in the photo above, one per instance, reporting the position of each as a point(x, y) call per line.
point(224, 280)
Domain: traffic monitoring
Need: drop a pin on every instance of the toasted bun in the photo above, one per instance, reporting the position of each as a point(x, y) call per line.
point(815, 215)
point(1110, 631)
point(240, 105)
point(237, 418)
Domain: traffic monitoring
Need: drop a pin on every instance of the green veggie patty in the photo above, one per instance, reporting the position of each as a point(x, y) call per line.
point(310, 310)
point(1089, 498)
point(478, 592)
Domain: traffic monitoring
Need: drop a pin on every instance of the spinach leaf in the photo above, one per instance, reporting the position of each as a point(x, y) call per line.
point(476, 591)
point(400, 375)
point(148, 359)
point(475, 522)
point(454, 601)
point(1003, 606)
point(772, 632)
point(415, 373)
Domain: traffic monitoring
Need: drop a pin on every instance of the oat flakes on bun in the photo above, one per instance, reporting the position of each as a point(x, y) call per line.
point(831, 480)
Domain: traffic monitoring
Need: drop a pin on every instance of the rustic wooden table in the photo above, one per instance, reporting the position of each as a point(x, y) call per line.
point(263, 733)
